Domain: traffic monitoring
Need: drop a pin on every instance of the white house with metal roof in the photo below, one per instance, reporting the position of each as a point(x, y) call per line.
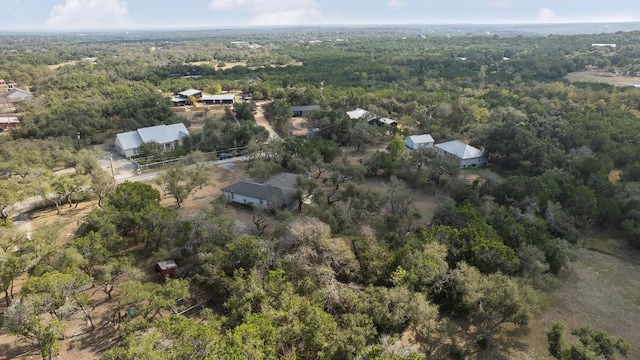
point(415, 142)
point(168, 136)
point(468, 155)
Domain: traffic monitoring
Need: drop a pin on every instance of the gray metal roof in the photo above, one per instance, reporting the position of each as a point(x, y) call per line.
point(167, 264)
point(306, 108)
point(460, 149)
point(14, 94)
point(280, 188)
point(190, 92)
point(412, 140)
point(219, 97)
point(358, 113)
point(161, 134)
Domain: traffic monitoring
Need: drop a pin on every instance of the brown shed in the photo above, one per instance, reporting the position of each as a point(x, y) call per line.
point(166, 268)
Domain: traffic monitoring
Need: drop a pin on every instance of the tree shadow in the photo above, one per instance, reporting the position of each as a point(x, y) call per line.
point(98, 340)
point(18, 348)
point(505, 344)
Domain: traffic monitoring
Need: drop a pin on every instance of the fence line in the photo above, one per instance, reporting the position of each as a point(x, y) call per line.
point(209, 155)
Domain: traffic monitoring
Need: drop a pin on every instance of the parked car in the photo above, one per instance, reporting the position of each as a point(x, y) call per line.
point(224, 155)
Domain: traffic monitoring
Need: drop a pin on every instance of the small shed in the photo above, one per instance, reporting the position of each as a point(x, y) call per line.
point(8, 122)
point(166, 268)
point(305, 110)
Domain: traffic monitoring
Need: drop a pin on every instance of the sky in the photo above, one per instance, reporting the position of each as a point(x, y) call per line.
point(167, 14)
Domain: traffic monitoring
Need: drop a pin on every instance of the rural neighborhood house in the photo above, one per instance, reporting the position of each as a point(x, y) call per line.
point(468, 155)
point(169, 136)
point(415, 142)
point(279, 190)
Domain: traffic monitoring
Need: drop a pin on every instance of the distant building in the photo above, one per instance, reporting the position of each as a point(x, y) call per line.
point(415, 142)
point(386, 122)
point(467, 154)
point(169, 136)
point(184, 98)
point(220, 99)
point(7, 85)
point(613, 46)
point(360, 114)
point(8, 122)
point(305, 110)
point(11, 97)
point(91, 60)
point(279, 190)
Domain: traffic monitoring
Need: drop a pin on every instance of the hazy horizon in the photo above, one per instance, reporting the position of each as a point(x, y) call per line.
point(109, 15)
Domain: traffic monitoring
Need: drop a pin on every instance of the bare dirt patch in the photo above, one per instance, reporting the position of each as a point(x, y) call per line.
point(80, 343)
point(298, 126)
point(597, 76)
point(57, 66)
point(230, 65)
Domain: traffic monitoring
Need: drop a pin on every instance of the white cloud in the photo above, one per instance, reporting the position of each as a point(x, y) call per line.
point(89, 14)
point(395, 3)
point(275, 12)
point(546, 15)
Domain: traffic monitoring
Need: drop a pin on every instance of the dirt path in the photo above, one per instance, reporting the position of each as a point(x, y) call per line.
point(261, 120)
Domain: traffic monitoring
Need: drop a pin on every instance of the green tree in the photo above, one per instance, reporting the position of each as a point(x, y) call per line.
point(23, 319)
point(102, 184)
point(593, 344)
point(49, 292)
point(8, 197)
point(92, 250)
point(150, 149)
point(178, 181)
point(150, 299)
point(495, 299)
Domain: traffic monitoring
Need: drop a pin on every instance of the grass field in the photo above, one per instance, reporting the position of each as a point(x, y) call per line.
point(597, 76)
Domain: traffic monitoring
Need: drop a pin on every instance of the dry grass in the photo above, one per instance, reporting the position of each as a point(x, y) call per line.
point(56, 66)
point(601, 290)
point(597, 76)
point(80, 343)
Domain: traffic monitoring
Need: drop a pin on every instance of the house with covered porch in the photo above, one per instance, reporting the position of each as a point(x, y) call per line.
point(168, 136)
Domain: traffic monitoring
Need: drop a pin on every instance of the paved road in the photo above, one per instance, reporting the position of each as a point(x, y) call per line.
point(123, 170)
point(21, 208)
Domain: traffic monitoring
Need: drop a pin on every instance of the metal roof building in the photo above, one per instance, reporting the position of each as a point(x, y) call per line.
point(169, 136)
point(468, 155)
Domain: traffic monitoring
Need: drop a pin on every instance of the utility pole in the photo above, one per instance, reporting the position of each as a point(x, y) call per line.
point(111, 163)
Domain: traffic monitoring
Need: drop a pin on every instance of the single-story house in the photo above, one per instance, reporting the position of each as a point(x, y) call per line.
point(305, 110)
point(183, 98)
point(8, 122)
point(7, 85)
point(383, 121)
point(169, 136)
point(9, 98)
point(468, 155)
point(360, 114)
point(220, 99)
point(415, 142)
point(279, 190)
point(15, 95)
